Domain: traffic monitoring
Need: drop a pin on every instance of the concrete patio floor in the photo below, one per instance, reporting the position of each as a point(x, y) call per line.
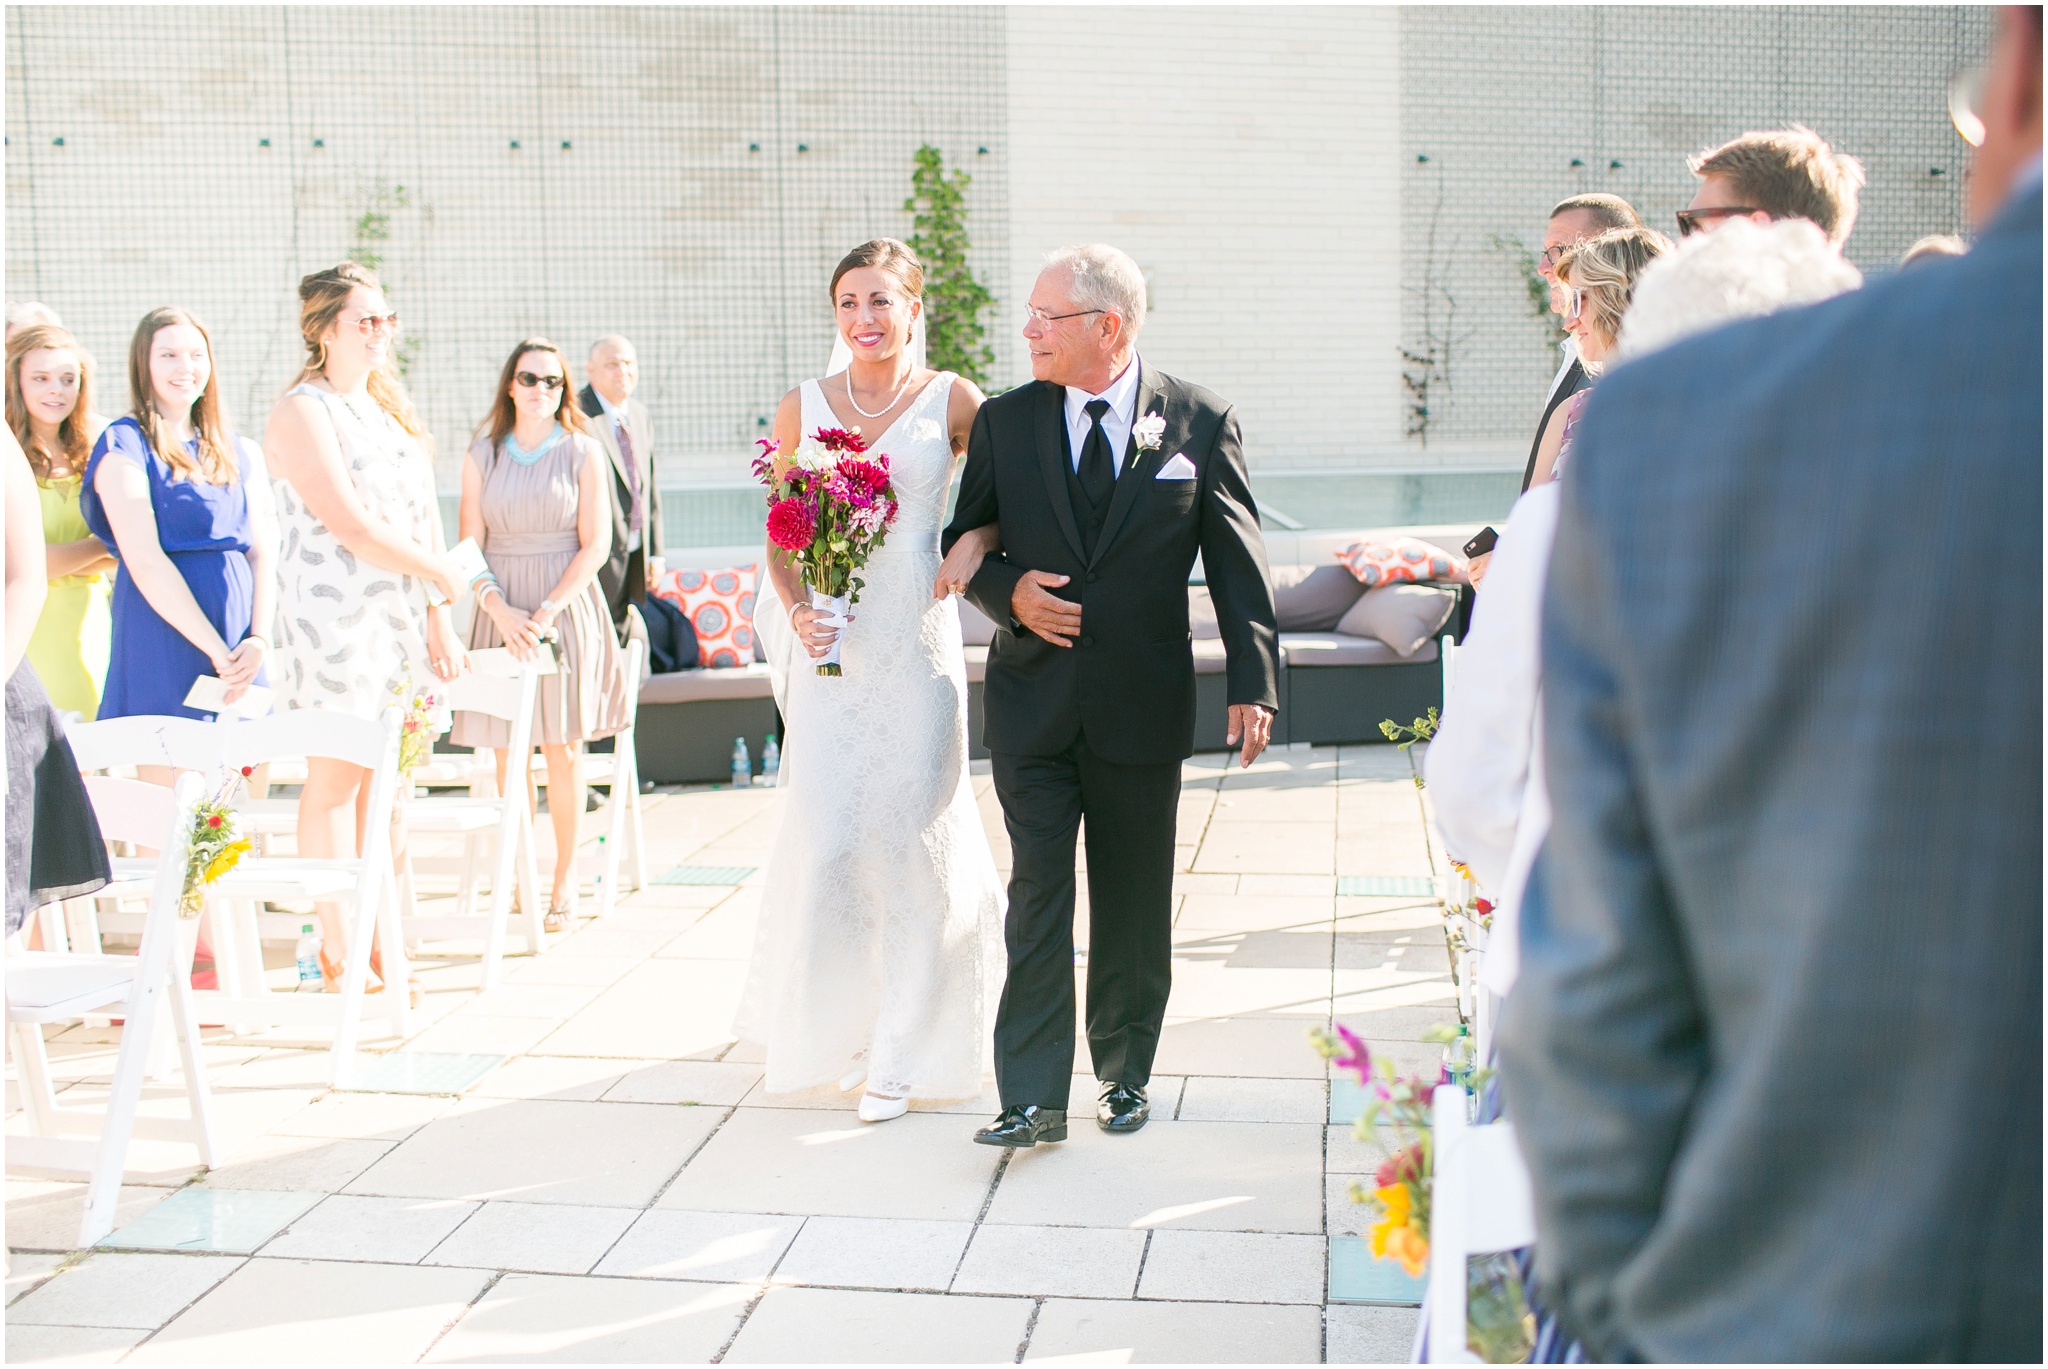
point(607, 1183)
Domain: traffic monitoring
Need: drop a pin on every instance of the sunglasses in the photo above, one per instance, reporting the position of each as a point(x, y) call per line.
point(369, 325)
point(529, 380)
point(1690, 221)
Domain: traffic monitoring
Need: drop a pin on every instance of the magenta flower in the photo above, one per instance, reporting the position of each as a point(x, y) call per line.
point(1355, 1055)
point(792, 524)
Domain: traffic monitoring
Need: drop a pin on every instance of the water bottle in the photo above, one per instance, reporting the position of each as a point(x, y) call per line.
point(742, 764)
point(771, 760)
point(308, 956)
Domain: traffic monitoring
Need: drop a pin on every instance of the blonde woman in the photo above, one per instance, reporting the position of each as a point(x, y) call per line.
point(1599, 279)
point(536, 495)
point(184, 503)
point(362, 541)
point(49, 410)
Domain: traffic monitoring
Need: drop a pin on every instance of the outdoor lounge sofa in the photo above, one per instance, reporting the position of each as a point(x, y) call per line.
point(1334, 687)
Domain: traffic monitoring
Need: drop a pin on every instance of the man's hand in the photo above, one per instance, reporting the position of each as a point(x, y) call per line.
point(1254, 723)
point(1476, 567)
point(656, 568)
point(1052, 618)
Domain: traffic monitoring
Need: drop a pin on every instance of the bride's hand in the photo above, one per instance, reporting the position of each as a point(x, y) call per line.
point(812, 631)
point(961, 563)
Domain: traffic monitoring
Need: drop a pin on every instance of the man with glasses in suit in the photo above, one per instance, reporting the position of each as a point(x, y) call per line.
point(625, 427)
point(1790, 173)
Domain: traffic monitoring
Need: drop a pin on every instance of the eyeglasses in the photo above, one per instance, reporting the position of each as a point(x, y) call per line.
point(529, 380)
point(1551, 255)
point(1039, 316)
point(1689, 220)
point(369, 325)
point(1965, 97)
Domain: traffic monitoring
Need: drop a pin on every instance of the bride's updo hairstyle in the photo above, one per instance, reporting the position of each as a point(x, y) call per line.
point(887, 255)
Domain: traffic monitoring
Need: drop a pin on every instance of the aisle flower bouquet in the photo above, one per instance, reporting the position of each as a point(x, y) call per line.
point(217, 843)
point(425, 719)
point(830, 504)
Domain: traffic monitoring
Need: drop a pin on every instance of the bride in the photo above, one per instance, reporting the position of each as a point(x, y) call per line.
point(879, 951)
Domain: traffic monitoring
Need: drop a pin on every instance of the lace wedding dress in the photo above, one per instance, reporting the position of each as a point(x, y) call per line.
point(879, 945)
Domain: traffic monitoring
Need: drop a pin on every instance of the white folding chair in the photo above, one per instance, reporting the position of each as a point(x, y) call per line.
point(505, 688)
point(620, 772)
point(1480, 1202)
point(365, 882)
point(46, 986)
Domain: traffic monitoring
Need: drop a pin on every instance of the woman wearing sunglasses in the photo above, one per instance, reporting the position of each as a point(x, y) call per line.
point(536, 496)
point(1599, 278)
point(362, 540)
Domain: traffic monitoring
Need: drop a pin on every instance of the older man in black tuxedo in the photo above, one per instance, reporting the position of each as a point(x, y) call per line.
point(1105, 478)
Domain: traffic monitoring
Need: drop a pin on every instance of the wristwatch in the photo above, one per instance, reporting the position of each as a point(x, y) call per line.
point(550, 606)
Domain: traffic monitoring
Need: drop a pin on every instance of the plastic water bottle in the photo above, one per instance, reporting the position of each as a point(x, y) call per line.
point(308, 956)
point(742, 764)
point(771, 760)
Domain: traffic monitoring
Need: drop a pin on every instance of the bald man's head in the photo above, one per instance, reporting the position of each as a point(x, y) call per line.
point(614, 368)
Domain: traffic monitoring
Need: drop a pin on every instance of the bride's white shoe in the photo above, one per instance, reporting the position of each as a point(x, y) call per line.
point(875, 1108)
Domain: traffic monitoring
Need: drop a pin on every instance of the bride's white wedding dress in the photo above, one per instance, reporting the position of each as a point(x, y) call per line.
point(880, 938)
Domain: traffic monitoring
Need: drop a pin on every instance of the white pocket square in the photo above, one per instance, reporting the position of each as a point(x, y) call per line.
point(1178, 467)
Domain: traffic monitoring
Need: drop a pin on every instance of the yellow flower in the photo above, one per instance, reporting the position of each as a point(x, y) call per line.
point(1395, 1235)
point(229, 857)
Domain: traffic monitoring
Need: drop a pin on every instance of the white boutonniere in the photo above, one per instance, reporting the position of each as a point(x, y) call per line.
point(1149, 431)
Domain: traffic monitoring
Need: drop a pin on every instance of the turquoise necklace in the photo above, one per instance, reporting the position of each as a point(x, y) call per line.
point(523, 457)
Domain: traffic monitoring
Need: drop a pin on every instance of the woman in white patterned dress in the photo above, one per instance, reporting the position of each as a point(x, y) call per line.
point(361, 541)
point(879, 950)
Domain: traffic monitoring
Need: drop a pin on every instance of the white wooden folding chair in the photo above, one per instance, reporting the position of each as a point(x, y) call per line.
point(620, 773)
point(47, 986)
point(364, 882)
point(1480, 1202)
point(500, 823)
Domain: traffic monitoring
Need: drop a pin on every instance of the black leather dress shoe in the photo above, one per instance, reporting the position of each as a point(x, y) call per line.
point(1124, 1107)
point(1024, 1126)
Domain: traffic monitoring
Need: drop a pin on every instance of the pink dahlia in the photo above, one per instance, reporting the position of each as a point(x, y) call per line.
point(840, 440)
point(874, 477)
point(791, 524)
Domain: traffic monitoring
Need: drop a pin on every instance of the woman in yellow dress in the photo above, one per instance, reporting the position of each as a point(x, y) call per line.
point(49, 409)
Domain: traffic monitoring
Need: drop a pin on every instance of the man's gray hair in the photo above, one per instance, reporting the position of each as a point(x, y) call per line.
point(1104, 278)
point(612, 340)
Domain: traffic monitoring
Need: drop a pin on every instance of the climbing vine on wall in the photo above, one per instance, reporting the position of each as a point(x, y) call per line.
point(955, 339)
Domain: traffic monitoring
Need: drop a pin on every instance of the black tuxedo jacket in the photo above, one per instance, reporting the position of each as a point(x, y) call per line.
point(1128, 682)
point(1574, 381)
point(611, 576)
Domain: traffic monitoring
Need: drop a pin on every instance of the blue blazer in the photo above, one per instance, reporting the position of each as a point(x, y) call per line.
point(1775, 1051)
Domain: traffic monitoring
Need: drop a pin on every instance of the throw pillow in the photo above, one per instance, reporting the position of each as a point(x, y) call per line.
point(1404, 616)
point(719, 605)
point(1312, 598)
point(1382, 560)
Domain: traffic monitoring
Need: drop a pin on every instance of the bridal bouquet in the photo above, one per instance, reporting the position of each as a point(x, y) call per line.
point(830, 505)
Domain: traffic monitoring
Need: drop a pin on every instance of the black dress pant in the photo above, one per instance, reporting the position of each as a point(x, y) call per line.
point(633, 590)
point(1130, 811)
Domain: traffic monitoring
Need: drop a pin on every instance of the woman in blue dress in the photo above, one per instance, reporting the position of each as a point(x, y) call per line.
point(186, 506)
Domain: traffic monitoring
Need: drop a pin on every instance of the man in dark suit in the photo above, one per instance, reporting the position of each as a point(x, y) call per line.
point(1774, 1056)
point(1572, 221)
point(626, 429)
point(1105, 478)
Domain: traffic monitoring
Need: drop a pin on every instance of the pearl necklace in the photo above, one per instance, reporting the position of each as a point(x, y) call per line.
point(893, 399)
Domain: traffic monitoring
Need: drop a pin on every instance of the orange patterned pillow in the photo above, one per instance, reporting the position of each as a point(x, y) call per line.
point(720, 606)
point(1384, 560)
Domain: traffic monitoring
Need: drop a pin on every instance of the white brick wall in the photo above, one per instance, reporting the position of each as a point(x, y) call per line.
point(1241, 156)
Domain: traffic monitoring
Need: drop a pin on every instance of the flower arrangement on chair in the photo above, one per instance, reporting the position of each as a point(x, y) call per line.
point(830, 504)
point(217, 843)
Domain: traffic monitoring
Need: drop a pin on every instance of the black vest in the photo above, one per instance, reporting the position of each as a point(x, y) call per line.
point(1087, 517)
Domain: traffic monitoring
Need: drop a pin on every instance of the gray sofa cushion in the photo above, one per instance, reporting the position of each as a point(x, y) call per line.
point(1300, 650)
point(1209, 658)
point(977, 663)
point(690, 686)
point(976, 629)
point(1202, 614)
point(1313, 598)
point(1403, 616)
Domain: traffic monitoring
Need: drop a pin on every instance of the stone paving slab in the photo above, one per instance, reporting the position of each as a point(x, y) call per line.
point(617, 1188)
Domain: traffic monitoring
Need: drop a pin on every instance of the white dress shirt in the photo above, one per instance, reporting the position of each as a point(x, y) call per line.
point(1570, 348)
point(617, 414)
point(1122, 395)
point(1485, 765)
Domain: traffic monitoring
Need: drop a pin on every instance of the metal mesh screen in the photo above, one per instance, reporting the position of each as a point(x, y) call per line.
point(1516, 108)
point(684, 176)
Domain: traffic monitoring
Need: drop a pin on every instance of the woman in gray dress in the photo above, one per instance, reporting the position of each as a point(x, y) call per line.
point(536, 495)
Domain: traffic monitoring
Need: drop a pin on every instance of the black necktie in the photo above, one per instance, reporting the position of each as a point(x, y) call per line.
point(1098, 472)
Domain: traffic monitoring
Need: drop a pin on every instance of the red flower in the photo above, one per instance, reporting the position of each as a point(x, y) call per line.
point(247, 771)
point(840, 440)
point(213, 821)
point(1403, 1166)
point(871, 477)
point(791, 524)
